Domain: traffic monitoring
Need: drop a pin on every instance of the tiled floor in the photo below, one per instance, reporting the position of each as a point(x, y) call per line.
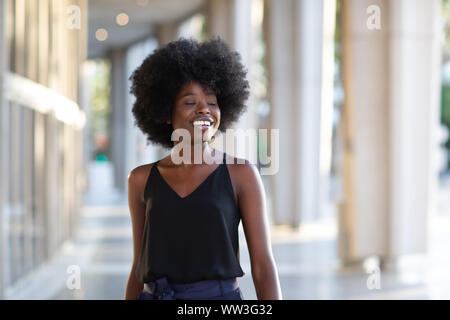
point(306, 260)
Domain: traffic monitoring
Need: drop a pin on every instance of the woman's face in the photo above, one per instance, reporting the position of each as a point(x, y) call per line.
point(196, 108)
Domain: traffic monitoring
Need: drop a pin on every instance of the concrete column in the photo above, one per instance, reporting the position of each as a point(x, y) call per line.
point(137, 150)
point(4, 132)
point(166, 33)
point(219, 19)
point(415, 53)
point(245, 33)
point(128, 144)
point(391, 83)
point(282, 99)
point(231, 20)
point(299, 85)
point(118, 118)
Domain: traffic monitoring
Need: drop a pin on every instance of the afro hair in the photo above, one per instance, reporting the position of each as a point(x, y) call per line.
point(157, 81)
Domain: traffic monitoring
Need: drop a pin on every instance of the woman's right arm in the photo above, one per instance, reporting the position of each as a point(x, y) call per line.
point(136, 184)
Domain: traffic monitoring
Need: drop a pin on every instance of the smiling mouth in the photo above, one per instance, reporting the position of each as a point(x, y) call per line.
point(204, 124)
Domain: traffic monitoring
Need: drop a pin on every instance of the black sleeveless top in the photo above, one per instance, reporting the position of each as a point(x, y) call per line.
point(192, 238)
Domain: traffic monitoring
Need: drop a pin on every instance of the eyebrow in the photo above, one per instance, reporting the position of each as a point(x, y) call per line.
point(209, 93)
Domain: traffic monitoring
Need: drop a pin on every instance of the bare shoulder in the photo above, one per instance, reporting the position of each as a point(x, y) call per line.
point(242, 173)
point(137, 178)
point(241, 166)
point(139, 174)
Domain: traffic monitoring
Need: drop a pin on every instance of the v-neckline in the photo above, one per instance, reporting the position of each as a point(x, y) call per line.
point(198, 187)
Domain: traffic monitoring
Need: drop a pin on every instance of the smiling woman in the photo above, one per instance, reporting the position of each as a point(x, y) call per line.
point(185, 216)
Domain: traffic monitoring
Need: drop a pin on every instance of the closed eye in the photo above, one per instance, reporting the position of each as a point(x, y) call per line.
point(193, 103)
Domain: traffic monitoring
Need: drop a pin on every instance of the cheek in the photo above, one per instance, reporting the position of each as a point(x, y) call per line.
point(179, 115)
point(218, 115)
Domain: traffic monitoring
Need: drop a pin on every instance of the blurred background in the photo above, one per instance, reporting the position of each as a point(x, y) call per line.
point(359, 89)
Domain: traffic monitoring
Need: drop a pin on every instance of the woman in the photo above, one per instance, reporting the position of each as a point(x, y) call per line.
point(185, 216)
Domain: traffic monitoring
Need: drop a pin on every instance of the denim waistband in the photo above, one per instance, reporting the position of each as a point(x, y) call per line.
point(163, 290)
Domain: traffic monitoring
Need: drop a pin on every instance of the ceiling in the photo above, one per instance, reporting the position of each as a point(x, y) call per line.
point(142, 20)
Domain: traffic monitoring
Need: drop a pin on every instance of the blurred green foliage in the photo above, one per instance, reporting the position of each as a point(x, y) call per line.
point(445, 108)
point(445, 90)
point(100, 109)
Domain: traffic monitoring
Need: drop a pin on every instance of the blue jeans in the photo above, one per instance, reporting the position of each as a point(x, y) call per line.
point(161, 289)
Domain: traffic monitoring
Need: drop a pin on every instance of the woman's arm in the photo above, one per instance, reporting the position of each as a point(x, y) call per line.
point(252, 203)
point(136, 185)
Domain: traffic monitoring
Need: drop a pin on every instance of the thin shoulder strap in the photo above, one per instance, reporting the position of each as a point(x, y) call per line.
point(224, 157)
point(147, 184)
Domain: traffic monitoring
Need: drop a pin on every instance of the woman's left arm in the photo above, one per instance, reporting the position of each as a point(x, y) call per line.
point(252, 203)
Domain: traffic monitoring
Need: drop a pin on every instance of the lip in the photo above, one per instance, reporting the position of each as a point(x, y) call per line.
point(210, 119)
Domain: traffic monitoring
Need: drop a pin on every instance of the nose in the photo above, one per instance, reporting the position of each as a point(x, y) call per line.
point(203, 108)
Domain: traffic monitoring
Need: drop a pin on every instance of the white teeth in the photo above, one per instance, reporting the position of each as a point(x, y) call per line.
point(201, 123)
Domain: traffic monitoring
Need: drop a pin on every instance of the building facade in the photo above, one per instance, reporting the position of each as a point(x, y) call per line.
point(41, 131)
